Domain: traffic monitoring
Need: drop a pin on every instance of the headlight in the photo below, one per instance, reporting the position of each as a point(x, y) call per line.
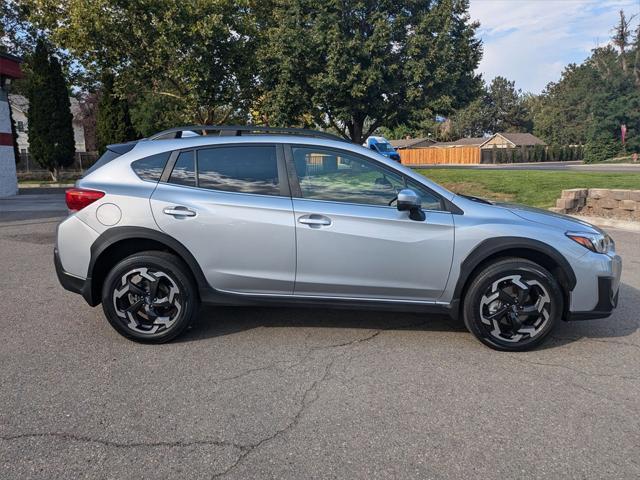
point(596, 242)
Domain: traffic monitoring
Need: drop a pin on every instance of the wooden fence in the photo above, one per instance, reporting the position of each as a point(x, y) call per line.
point(439, 155)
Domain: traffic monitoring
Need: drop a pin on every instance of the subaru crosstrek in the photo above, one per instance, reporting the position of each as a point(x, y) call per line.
point(260, 216)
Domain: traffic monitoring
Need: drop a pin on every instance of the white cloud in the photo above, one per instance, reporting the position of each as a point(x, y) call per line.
point(532, 41)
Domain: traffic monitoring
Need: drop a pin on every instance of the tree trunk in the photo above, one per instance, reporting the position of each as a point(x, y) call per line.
point(54, 174)
point(355, 130)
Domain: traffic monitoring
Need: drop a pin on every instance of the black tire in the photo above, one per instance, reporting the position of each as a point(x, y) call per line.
point(516, 325)
point(150, 297)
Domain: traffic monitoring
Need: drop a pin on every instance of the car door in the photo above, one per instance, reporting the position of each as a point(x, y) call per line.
point(353, 242)
point(230, 206)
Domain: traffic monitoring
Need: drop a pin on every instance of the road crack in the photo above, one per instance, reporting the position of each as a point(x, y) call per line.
point(109, 443)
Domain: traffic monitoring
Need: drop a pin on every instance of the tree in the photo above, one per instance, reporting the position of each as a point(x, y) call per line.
point(501, 108)
point(593, 100)
point(600, 147)
point(621, 36)
point(113, 121)
point(200, 53)
point(509, 112)
point(152, 113)
point(472, 121)
point(51, 139)
point(14, 137)
point(356, 65)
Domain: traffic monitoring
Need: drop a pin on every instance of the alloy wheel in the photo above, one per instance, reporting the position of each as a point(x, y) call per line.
point(514, 308)
point(147, 300)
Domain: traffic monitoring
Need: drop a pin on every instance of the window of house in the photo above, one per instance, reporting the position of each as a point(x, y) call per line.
point(243, 169)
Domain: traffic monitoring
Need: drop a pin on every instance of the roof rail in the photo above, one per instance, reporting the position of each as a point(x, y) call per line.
point(237, 131)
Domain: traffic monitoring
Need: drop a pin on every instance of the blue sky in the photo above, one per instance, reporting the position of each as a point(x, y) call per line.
point(531, 41)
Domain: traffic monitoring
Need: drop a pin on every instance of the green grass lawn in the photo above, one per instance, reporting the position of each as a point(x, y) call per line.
point(531, 187)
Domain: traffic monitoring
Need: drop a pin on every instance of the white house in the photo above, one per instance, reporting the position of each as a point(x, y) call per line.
point(19, 110)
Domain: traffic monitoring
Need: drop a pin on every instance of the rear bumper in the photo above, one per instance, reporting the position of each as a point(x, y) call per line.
point(607, 300)
point(71, 282)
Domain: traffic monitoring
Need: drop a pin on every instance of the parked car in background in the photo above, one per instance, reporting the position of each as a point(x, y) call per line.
point(383, 147)
point(249, 216)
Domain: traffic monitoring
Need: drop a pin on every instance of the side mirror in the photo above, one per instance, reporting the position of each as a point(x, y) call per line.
point(408, 200)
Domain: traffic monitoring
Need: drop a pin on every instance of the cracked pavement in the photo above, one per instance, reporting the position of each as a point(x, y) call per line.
point(303, 393)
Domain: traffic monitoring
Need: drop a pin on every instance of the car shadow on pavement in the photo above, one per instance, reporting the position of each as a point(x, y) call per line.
point(220, 321)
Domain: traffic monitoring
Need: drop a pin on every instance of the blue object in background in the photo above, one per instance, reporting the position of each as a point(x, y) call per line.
point(383, 147)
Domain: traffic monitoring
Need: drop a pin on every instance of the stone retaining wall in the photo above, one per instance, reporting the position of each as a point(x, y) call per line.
point(600, 202)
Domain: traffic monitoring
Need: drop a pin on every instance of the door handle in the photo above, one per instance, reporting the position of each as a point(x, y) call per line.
point(179, 212)
point(315, 221)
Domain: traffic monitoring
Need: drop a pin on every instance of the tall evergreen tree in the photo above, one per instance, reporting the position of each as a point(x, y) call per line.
point(113, 121)
point(14, 136)
point(51, 139)
point(501, 108)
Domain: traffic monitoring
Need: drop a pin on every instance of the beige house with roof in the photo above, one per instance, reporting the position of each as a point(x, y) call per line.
point(512, 140)
point(499, 140)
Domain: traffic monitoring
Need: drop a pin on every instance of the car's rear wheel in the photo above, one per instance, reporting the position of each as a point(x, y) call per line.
point(512, 304)
point(150, 297)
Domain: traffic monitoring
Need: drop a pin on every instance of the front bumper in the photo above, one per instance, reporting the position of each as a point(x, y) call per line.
point(608, 290)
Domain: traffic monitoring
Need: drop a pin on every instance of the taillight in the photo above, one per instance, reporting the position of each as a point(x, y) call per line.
point(78, 198)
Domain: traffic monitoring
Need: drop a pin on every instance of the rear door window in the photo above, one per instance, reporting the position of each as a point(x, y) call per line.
point(242, 169)
point(184, 171)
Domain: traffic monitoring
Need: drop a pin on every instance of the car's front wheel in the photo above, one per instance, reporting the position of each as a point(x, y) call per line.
point(150, 297)
point(512, 304)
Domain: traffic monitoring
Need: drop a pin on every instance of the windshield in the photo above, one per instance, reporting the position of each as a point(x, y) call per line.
point(385, 147)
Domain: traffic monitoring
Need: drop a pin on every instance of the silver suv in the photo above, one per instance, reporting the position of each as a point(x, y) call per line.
point(263, 216)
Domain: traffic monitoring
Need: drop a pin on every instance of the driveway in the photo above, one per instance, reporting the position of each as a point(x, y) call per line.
point(277, 393)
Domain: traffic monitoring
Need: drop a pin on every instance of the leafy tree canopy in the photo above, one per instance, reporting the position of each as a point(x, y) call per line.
point(355, 65)
point(199, 52)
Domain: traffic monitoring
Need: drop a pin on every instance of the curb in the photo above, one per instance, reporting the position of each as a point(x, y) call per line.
point(45, 185)
point(610, 222)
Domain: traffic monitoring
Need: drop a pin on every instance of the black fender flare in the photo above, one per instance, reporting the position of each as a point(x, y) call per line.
point(118, 234)
point(492, 246)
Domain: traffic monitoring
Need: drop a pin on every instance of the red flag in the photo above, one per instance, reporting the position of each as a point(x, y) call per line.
point(623, 131)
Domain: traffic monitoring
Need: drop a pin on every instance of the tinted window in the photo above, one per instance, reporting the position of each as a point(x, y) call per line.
point(428, 200)
point(150, 168)
point(244, 169)
point(184, 172)
point(341, 177)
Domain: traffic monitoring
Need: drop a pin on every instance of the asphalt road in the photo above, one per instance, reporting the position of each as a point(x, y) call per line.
point(275, 393)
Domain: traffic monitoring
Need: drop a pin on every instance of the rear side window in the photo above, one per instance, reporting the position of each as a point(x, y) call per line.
point(150, 168)
point(184, 172)
point(242, 169)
